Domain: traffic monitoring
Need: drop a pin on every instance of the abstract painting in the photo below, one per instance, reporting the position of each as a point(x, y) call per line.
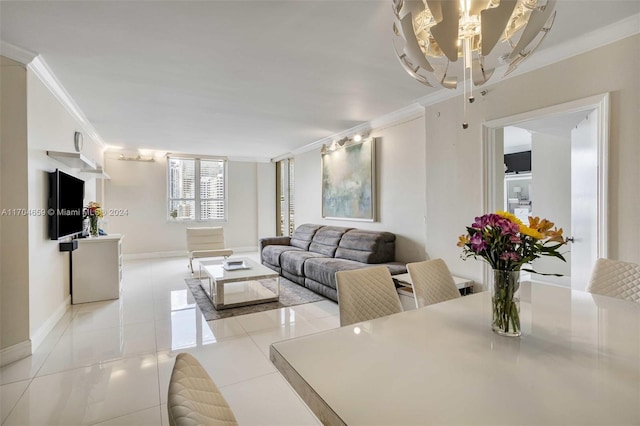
point(348, 182)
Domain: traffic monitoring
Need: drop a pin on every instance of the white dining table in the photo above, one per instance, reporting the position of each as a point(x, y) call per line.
point(576, 363)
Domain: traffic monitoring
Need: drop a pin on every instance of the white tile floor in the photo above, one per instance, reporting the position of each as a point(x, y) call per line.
point(109, 363)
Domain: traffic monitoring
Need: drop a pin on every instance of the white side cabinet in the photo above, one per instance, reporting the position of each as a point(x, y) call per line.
point(97, 269)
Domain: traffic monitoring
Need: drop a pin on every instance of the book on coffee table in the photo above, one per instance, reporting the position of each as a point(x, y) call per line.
point(233, 265)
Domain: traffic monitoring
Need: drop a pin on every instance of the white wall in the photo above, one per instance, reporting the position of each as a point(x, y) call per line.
point(400, 184)
point(266, 199)
point(454, 156)
point(551, 187)
point(50, 127)
point(14, 248)
point(140, 188)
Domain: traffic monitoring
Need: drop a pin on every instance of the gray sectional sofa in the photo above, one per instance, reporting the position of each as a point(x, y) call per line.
point(314, 253)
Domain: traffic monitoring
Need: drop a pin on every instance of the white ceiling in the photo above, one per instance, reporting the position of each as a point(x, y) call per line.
point(236, 78)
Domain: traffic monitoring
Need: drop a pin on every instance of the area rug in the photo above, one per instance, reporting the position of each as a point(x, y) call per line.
point(291, 294)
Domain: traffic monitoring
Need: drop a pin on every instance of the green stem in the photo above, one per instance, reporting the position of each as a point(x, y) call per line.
point(505, 309)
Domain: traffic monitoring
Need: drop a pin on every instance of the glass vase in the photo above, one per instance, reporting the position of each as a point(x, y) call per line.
point(93, 226)
point(506, 303)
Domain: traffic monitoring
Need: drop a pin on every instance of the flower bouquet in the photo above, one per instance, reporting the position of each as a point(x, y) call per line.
point(507, 244)
point(93, 212)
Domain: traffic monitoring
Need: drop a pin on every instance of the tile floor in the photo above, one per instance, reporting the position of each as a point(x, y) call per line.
point(109, 363)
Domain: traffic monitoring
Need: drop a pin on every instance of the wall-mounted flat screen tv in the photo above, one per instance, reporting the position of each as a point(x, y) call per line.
point(518, 162)
point(66, 197)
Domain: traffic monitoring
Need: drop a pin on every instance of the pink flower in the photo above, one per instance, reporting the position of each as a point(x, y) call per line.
point(478, 244)
point(510, 255)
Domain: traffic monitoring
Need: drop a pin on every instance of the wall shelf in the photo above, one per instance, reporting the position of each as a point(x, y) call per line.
point(75, 160)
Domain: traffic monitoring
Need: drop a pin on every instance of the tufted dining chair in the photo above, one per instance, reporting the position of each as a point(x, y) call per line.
point(194, 399)
point(432, 282)
point(366, 294)
point(616, 278)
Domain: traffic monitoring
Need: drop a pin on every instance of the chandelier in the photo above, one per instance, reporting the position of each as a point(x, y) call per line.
point(431, 35)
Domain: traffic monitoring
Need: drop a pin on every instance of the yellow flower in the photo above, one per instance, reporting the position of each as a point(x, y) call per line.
point(540, 225)
point(463, 240)
point(509, 216)
point(556, 236)
point(99, 212)
point(531, 232)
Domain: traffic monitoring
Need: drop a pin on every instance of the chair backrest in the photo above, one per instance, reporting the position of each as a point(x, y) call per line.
point(432, 282)
point(205, 238)
point(616, 278)
point(366, 294)
point(194, 399)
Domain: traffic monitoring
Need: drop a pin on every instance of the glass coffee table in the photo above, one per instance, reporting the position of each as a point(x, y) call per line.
point(250, 285)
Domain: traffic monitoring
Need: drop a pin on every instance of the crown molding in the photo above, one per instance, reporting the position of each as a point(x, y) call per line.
point(16, 53)
point(51, 82)
point(39, 67)
point(601, 37)
point(596, 39)
point(250, 159)
point(410, 111)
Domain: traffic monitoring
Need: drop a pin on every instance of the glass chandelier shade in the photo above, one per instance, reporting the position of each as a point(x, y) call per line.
point(432, 35)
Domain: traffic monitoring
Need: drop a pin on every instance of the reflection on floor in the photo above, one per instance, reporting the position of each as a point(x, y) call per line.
point(109, 363)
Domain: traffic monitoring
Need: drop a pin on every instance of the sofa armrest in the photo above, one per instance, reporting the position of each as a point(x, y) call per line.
point(274, 241)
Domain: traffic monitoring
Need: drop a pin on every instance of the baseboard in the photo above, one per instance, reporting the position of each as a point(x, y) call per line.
point(180, 253)
point(155, 255)
point(44, 330)
point(15, 352)
point(244, 249)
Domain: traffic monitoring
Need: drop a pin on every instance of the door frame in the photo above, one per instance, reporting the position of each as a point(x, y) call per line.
point(599, 103)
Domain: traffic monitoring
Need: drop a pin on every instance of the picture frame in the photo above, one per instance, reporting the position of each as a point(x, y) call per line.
point(349, 182)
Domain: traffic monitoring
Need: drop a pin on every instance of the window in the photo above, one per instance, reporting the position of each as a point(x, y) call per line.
point(285, 197)
point(197, 189)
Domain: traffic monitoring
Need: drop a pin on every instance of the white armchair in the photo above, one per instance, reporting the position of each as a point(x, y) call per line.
point(206, 242)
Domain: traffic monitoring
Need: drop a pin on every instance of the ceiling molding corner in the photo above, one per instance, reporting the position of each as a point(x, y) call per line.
point(410, 111)
point(600, 37)
point(282, 157)
point(595, 39)
point(16, 53)
point(249, 159)
point(51, 82)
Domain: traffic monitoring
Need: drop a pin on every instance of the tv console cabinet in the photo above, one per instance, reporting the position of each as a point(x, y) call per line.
point(97, 269)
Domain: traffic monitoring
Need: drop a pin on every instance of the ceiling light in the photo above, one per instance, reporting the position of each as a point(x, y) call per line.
point(434, 34)
point(357, 137)
point(136, 158)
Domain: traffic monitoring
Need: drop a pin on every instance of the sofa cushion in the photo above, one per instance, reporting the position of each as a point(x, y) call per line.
point(271, 254)
point(293, 261)
point(367, 246)
point(324, 270)
point(326, 240)
point(303, 235)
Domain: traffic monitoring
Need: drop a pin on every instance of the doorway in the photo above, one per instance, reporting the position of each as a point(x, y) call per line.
point(566, 183)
